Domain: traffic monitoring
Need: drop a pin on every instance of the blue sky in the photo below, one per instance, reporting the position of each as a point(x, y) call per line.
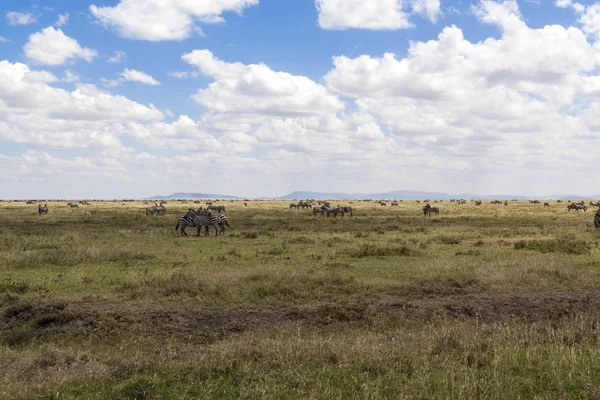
point(263, 97)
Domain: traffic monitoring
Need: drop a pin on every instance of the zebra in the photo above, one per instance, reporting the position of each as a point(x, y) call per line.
point(184, 221)
point(597, 219)
point(318, 210)
point(73, 205)
point(222, 222)
point(160, 208)
point(294, 205)
point(206, 219)
point(42, 210)
point(395, 204)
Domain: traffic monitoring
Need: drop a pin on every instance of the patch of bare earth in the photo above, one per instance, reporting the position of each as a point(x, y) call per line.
point(203, 325)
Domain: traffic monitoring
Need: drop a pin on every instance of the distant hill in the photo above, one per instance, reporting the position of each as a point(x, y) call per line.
point(194, 196)
point(397, 194)
point(420, 195)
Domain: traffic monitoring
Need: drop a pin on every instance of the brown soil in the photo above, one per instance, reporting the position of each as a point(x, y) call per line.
point(101, 319)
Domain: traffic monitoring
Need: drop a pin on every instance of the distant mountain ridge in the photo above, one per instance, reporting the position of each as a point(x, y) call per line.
point(194, 196)
point(397, 194)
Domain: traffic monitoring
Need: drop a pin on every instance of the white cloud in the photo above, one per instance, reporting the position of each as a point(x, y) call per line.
point(117, 57)
point(4, 40)
point(256, 90)
point(131, 75)
point(427, 8)
point(17, 18)
point(589, 15)
point(183, 74)
point(158, 20)
point(32, 111)
point(52, 47)
point(62, 20)
point(70, 77)
point(373, 14)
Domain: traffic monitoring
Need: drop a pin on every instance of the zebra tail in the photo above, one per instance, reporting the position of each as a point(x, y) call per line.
point(177, 227)
point(227, 223)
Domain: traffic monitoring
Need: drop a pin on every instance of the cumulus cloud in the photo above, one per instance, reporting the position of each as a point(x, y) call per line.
point(52, 47)
point(17, 18)
point(521, 101)
point(589, 15)
point(158, 20)
point(33, 111)
point(373, 14)
point(257, 90)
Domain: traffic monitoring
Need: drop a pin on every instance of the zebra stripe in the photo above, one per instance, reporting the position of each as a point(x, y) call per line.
point(186, 220)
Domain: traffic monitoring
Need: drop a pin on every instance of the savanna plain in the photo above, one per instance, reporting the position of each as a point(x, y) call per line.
point(486, 302)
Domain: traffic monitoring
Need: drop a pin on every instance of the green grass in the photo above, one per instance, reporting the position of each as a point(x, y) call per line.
point(481, 302)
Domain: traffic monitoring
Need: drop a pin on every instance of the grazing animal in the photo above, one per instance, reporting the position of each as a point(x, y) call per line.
point(496, 202)
point(576, 207)
point(73, 205)
point(90, 213)
point(546, 204)
point(186, 220)
point(160, 208)
point(222, 222)
point(505, 202)
point(395, 204)
point(597, 219)
point(246, 204)
point(42, 210)
point(294, 205)
point(428, 210)
point(30, 202)
point(478, 202)
point(216, 208)
point(206, 219)
point(317, 210)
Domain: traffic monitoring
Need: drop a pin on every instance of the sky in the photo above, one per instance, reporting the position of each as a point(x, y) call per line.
point(135, 98)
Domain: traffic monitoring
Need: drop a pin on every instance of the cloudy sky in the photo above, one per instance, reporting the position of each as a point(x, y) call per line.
point(131, 98)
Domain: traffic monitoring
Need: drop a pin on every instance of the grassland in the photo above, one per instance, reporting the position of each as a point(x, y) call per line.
point(494, 302)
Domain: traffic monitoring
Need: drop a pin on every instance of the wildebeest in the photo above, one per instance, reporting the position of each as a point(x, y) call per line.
point(428, 210)
point(546, 204)
point(576, 207)
point(216, 208)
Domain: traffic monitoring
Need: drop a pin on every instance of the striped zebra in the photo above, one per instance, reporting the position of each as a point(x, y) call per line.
point(222, 222)
point(198, 219)
point(186, 220)
point(597, 219)
point(42, 210)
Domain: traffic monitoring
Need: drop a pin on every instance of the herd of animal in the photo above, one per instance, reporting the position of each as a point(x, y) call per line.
point(204, 218)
